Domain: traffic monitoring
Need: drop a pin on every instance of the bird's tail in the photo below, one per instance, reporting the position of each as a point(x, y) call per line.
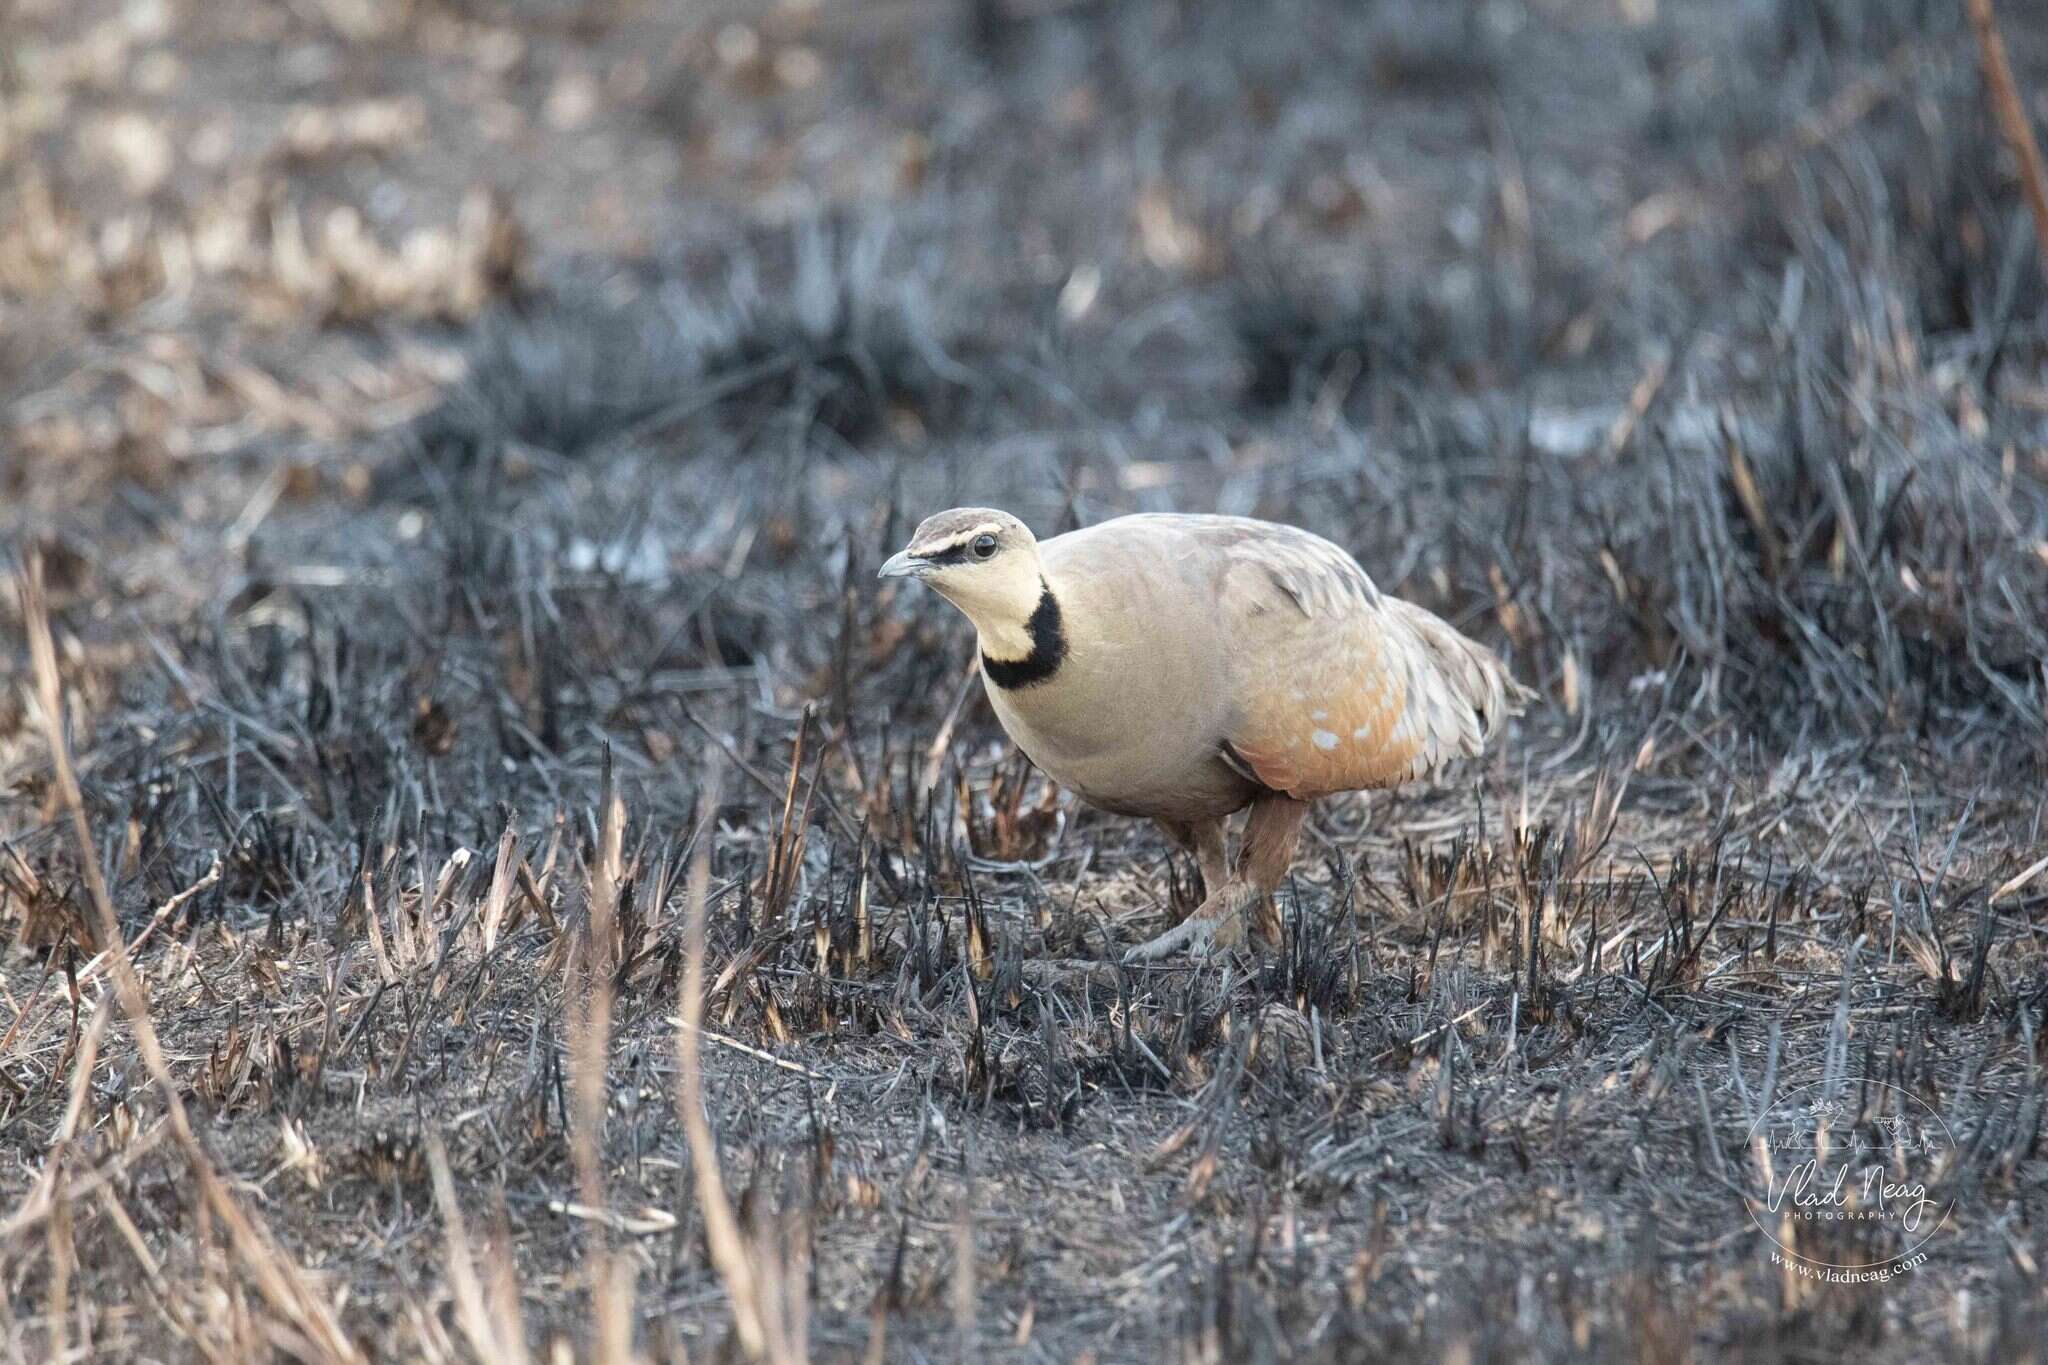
point(1472, 676)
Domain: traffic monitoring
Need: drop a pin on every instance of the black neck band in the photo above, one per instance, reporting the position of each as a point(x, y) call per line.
point(1048, 648)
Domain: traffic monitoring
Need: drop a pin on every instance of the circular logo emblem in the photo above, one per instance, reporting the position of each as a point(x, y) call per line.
point(1847, 1185)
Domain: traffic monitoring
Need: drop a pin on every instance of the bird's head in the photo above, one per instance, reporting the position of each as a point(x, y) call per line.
point(983, 561)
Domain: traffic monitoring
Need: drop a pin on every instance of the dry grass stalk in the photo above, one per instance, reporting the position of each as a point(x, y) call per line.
point(500, 897)
point(52, 1195)
point(761, 1333)
point(152, 1272)
point(1743, 479)
point(170, 907)
point(277, 1277)
point(494, 1328)
point(590, 987)
point(2013, 885)
point(966, 1296)
point(62, 1254)
point(785, 853)
point(2004, 96)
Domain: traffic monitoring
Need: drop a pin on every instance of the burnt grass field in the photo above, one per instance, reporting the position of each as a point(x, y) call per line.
point(451, 442)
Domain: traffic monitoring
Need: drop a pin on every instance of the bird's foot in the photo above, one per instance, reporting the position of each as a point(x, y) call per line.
point(1195, 934)
point(1218, 924)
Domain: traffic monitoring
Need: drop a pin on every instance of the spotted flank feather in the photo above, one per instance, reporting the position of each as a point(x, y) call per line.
point(1342, 688)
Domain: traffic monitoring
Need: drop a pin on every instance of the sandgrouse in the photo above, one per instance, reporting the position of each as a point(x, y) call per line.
point(1185, 668)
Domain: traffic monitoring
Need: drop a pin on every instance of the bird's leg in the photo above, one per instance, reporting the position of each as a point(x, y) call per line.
point(1270, 834)
point(1183, 836)
point(1212, 851)
point(1205, 840)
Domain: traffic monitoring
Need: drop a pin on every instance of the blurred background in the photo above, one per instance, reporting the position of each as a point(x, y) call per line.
point(427, 412)
point(1147, 238)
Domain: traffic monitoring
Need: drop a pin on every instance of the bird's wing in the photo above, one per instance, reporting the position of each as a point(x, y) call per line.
point(1338, 687)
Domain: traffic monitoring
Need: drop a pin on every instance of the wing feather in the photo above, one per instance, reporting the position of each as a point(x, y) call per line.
point(1335, 686)
point(1341, 688)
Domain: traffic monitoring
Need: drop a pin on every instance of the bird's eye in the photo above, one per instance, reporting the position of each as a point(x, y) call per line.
point(984, 547)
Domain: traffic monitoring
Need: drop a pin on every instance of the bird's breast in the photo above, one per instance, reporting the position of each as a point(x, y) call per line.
point(1124, 736)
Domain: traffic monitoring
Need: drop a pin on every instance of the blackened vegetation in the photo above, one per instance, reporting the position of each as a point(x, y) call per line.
point(1296, 344)
point(1357, 346)
point(822, 334)
point(1692, 355)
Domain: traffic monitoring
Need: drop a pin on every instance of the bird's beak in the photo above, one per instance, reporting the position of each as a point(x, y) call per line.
point(904, 564)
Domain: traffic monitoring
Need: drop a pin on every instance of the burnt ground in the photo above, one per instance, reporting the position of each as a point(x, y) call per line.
point(454, 440)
